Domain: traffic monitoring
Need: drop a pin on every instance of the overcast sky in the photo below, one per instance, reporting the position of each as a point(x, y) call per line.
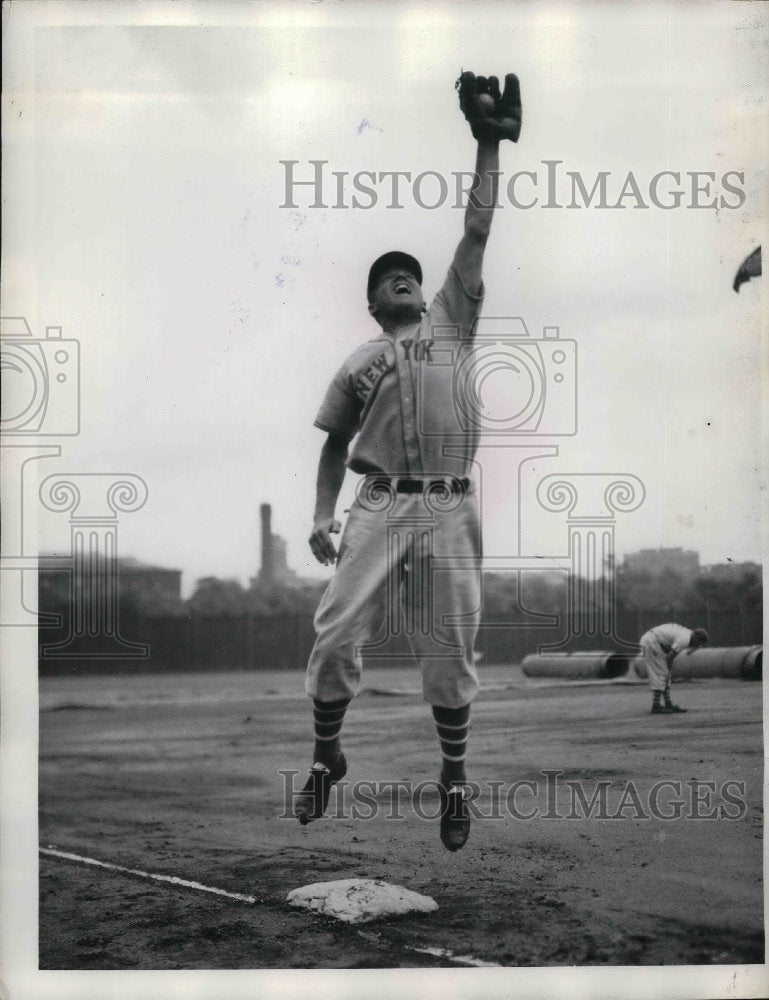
point(148, 224)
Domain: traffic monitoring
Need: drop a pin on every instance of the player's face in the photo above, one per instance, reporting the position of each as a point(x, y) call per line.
point(398, 297)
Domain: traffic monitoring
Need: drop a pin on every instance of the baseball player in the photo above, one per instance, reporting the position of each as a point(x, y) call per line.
point(659, 647)
point(413, 532)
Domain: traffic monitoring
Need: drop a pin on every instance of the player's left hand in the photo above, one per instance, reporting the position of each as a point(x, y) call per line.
point(491, 115)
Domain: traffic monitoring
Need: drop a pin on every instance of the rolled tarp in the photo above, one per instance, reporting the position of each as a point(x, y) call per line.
point(736, 662)
point(601, 665)
point(752, 667)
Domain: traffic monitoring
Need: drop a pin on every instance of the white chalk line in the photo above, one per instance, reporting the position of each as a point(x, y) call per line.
point(240, 897)
point(435, 952)
point(461, 959)
point(171, 879)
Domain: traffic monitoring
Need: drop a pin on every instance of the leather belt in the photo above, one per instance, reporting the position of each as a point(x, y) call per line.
point(405, 484)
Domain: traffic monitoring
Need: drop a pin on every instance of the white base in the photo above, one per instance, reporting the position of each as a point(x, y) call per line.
point(360, 900)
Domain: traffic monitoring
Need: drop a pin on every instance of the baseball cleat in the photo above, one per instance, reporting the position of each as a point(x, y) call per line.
point(674, 708)
point(455, 818)
point(660, 710)
point(313, 798)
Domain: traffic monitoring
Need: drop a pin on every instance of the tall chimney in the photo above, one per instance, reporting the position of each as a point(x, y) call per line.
point(266, 571)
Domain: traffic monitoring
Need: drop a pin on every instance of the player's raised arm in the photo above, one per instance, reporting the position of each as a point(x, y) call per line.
point(492, 117)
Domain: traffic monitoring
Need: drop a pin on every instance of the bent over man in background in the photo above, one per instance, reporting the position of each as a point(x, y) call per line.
point(659, 647)
point(398, 404)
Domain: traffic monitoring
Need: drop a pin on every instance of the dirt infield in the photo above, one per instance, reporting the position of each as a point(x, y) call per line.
point(179, 775)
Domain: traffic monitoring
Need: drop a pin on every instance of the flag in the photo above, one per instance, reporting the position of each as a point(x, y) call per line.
point(749, 268)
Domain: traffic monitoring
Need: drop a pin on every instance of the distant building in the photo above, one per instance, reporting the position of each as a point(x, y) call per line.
point(732, 570)
point(134, 576)
point(658, 562)
point(135, 580)
point(274, 566)
point(138, 578)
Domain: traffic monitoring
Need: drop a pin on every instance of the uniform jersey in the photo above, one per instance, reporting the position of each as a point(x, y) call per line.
point(396, 393)
point(672, 638)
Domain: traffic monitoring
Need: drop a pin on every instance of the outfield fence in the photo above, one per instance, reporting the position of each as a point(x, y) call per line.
point(283, 642)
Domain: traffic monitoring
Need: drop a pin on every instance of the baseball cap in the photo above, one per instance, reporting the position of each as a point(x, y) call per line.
point(393, 258)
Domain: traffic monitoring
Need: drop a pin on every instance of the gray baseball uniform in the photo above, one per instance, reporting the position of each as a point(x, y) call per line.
point(659, 646)
point(396, 393)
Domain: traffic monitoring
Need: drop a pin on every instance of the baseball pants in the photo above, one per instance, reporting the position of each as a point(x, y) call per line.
point(656, 660)
point(413, 569)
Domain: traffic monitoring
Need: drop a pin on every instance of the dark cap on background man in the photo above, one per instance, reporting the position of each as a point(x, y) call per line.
point(394, 258)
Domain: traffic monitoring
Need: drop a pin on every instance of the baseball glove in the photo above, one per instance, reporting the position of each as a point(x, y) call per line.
point(491, 115)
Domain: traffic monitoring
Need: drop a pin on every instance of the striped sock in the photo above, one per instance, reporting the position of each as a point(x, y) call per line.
point(453, 725)
point(328, 717)
point(666, 696)
point(657, 699)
